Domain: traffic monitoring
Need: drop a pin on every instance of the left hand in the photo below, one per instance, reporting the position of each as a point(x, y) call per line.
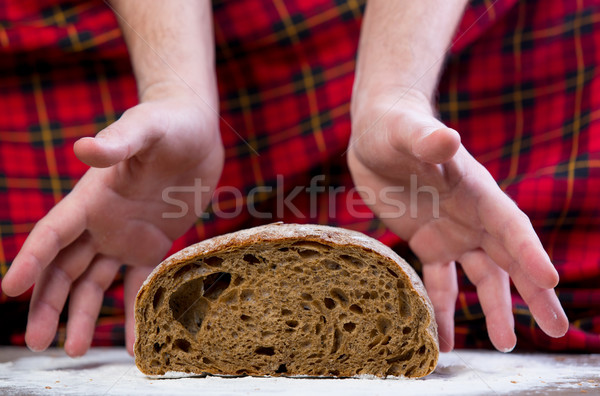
point(114, 215)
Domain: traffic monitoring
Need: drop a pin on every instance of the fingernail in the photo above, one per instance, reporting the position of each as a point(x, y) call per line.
point(33, 349)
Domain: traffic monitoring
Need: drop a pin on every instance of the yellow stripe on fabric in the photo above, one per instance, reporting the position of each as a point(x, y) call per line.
point(491, 11)
point(67, 132)
point(34, 184)
point(315, 119)
point(537, 139)
point(569, 167)
point(354, 7)
point(576, 128)
point(18, 228)
point(290, 28)
point(105, 98)
point(101, 39)
point(464, 306)
point(4, 40)
point(290, 88)
point(517, 99)
point(453, 93)
point(308, 77)
point(335, 113)
point(46, 137)
point(537, 92)
point(561, 29)
point(71, 30)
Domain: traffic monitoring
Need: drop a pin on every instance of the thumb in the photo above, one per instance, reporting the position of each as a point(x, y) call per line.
point(123, 139)
point(426, 138)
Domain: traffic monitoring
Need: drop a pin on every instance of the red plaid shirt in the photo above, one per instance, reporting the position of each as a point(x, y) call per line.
point(519, 86)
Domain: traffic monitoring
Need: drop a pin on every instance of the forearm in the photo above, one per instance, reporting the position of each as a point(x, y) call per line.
point(170, 42)
point(403, 43)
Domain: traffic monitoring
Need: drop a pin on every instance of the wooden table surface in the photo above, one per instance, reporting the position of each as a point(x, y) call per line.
point(110, 371)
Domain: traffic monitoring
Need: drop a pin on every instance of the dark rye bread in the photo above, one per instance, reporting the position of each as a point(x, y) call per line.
point(286, 299)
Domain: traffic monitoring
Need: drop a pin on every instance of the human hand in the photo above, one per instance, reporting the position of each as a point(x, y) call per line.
point(113, 216)
point(478, 225)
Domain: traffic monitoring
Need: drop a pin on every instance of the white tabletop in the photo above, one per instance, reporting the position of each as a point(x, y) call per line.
point(110, 371)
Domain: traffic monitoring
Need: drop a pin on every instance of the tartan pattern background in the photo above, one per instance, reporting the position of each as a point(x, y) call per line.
point(519, 86)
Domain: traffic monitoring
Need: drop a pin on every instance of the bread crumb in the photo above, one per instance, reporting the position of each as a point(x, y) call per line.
point(48, 387)
point(514, 382)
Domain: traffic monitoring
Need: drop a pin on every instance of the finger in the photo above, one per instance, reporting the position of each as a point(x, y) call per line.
point(543, 304)
point(424, 137)
point(512, 229)
point(442, 288)
point(134, 278)
point(60, 227)
point(493, 290)
point(85, 303)
point(128, 136)
point(51, 291)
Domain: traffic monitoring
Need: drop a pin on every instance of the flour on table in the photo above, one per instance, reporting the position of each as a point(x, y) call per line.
point(111, 371)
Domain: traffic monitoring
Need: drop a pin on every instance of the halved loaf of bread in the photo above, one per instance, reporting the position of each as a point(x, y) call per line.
point(286, 299)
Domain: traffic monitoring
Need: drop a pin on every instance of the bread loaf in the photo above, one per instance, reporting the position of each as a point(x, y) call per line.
point(286, 299)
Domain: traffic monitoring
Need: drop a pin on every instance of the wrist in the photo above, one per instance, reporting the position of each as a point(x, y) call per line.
point(380, 98)
point(204, 94)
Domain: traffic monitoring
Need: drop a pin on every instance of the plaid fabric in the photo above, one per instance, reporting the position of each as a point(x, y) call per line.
point(522, 71)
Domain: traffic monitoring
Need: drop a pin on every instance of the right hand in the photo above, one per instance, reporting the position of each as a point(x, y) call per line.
point(471, 220)
point(114, 215)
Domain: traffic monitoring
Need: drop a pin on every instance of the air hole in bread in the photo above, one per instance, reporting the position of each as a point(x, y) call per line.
point(213, 261)
point(281, 369)
point(401, 358)
point(188, 306)
point(286, 312)
point(330, 264)
point(306, 296)
point(267, 351)
point(291, 323)
point(339, 295)
point(354, 261)
point(246, 295)
point(349, 327)
point(251, 259)
point(337, 340)
point(356, 309)
point(215, 284)
point(383, 324)
point(158, 297)
point(329, 303)
point(245, 318)
point(182, 345)
point(393, 273)
point(311, 245)
point(405, 310)
point(308, 253)
point(406, 330)
point(237, 280)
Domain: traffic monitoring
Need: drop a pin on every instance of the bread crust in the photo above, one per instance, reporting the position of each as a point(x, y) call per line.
point(281, 232)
